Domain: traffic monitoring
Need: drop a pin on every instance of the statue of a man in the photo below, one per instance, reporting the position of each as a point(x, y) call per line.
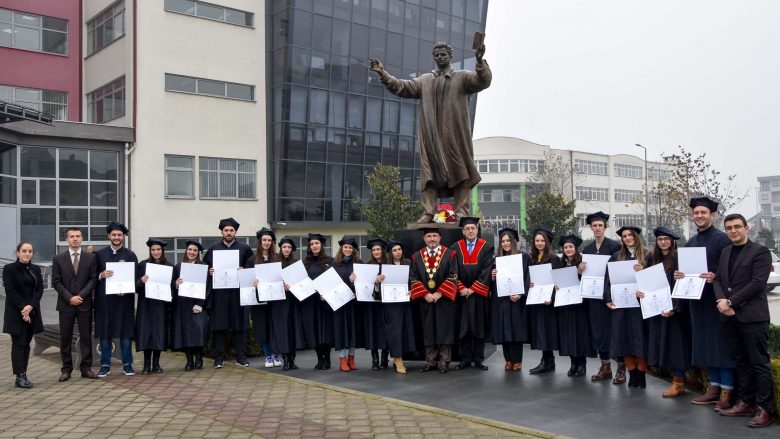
point(447, 167)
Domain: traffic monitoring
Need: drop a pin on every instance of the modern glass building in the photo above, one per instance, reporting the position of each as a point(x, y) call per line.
point(329, 119)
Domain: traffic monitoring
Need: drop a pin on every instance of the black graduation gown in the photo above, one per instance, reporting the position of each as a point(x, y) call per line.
point(284, 319)
point(371, 325)
point(261, 321)
point(628, 335)
point(509, 320)
point(574, 330)
point(345, 326)
point(316, 315)
point(438, 320)
point(225, 310)
point(152, 318)
point(474, 272)
point(543, 318)
point(114, 314)
point(708, 338)
point(188, 330)
point(599, 316)
point(669, 338)
point(398, 324)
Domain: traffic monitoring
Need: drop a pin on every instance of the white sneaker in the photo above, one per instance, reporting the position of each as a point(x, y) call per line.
point(269, 362)
point(277, 360)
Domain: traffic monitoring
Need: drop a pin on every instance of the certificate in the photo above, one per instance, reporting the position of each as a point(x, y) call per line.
point(296, 277)
point(653, 282)
point(568, 284)
point(692, 261)
point(123, 279)
point(395, 287)
point(247, 291)
point(624, 295)
point(541, 277)
point(271, 285)
point(193, 278)
point(225, 269)
point(365, 277)
point(690, 287)
point(333, 289)
point(592, 281)
point(509, 275)
point(158, 286)
point(622, 278)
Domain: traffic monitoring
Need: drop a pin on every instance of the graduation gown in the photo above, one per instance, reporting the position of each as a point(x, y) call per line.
point(188, 330)
point(628, 335)
point(599, 316)
point(438, 319)
point(398, 324)
point(669, 338)
point(114, 314)
point(316, 315)
point(574, 330)
point(370, 319)
point(544, 318)
point(261, 321)
point(509, 320)
point(225, 310)
point(708, 338)
point(284, 318)
point(345, 325)
point(474, 272)
point(152, 318)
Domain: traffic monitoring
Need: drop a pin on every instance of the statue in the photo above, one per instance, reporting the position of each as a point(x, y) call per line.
point(447, 154)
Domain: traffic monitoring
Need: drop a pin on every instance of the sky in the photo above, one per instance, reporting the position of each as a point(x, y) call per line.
point(603, 75)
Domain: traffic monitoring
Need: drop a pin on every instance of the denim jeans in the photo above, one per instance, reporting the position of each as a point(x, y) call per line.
point(105, 351)
point(721, 376)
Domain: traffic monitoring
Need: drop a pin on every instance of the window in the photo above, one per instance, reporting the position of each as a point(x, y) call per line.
point(592, 193)
point(510, 165)
point(775, 183)
point(776, 208)
point(764, 185)
point(776, 197)
point(179, 176)
point(107, 102)
point(656, 174)
point(209, 87)
point(627, 196)
point(21, 30)
point(210, 11)
point(227, 178)
point(106, 27)
point(628, 171)
point(629, 220)
point(590, 167)
point(50, 102)
point(766, 209)
point(582, 219)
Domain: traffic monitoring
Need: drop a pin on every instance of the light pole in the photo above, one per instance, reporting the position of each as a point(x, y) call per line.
point(647, 190)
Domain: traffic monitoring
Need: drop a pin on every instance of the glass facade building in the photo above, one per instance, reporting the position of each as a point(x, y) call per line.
point(330, 120)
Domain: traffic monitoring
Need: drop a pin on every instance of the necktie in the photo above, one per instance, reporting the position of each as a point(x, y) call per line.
point(471, 247)
point(75, 262)
point(432, 254)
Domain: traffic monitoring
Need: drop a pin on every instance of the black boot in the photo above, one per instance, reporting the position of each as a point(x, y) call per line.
point(156, 362)
point(285, 362)
point(22, 381)
point(573, 367)
point(190, 363)
point(581, 367)
point(641, 380)
point(326, 358)
point(147, 363)
point(198, 358)
point(383, 361)
point(374, 359)
point(632, 378)
point(320, 359)
point(291, 358)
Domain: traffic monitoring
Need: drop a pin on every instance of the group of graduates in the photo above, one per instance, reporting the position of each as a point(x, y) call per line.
point(453, 304)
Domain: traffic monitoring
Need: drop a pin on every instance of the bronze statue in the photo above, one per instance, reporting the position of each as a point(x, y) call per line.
point(447, 167)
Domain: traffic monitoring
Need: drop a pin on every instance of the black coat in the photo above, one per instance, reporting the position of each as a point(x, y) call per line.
point(23, 286)
point(316, 316)
point(114, 313)
point(152, 318)
point(398, 325)
point(598, 313)
point(370, 320)
point(188, 329)
point(225, 310)
point(438, 320)
point(574, 330)
point(628, 334)
point(347, 333)
point(285, 321)
point(744, 283)
point(509, 320)
point(474, 272)
point(669, 338)
point(68, 283)
point(544, 318)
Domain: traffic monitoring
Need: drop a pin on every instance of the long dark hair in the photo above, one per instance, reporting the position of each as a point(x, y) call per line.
point(512, 244)
point(340, 256)
point(668, 260)
point(535, 251)
point(289, 260)
point(385, 258)
point(639, 250)
point(162, 259)
point(318, 259)
point(184, 259)
point(272, 255)
point(575, 260)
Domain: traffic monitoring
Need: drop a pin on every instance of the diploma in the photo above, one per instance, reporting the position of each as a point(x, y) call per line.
point(653, 282)
point(541, 277)
point(692, 261)
point(622, 278)
point(333, 289)
point(395, 287)
point(225, 269)
point(271, 285)
point(123, 279)
point(247, 292)
point(193, 278)
point(365, 277)
point(592, 280)
point(296, 277)
point(158, 286)
point(509, 275)
point(568, 284)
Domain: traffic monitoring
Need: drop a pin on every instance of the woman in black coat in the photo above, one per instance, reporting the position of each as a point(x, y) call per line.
point(23, 291)
point(574, 320)
point(190, 323)
point(397, 317)
point(346, 331)
point(261, 314)
point(543, 318)
point(371, 313)
point(286, 314)
point(316, 314)
point(152, 315)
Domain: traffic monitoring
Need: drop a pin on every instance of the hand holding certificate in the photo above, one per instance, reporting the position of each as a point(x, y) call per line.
point(622, 278)
point(592, 281)
point(568, 284)
point(296, 277)
point(225, 269)
point(247, 291)
point(657, 294)
point(509, 275)
point(333, 289)
point(123, 279)
point(271, 285)
point(693, 262)
point(395, 287)
point(158, 286)
point(194, 280)
point(541, 277)
point(365, 277)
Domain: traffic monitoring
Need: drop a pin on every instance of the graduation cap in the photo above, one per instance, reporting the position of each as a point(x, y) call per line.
point(375, 242)
point(636, 230)
point(512, 232)
point(544, 231)
point(391, 244)
point(266, 231)
point(228, 222)
point(707, 202)
point(287, 240)
point(348, 240)
point(466, 220)
point(574, 239)
point(597, 216)
point(665, 231)
point(427, 230)
point(156, 241)
point(195, 243)
point(116, 226)
point(316, 237)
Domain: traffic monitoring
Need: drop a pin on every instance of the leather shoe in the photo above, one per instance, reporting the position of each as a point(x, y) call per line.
point(463, 365)
point(741, 408)
point(64, 377)
point(428, 367)
point(443, 368)
point(579, 371)
point(480, 365)
point(87, 373)
point(23, 382)
point(761, 418)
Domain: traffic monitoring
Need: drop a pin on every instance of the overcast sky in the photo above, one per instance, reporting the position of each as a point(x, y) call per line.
point(602, 75)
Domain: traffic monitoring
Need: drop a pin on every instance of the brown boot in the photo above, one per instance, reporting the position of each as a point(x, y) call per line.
point(343, 366)
point(724, 402)
point(604, 373)
point(351, 362)
point(620, 376)
point(711, 397)
point(676, 389)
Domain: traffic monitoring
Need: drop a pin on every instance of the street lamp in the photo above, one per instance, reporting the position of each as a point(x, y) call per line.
point(647, 189)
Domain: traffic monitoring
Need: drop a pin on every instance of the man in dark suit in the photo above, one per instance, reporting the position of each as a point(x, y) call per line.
point(740, 291)
point(73, 276)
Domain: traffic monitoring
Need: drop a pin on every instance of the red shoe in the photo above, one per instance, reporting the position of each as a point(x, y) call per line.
point(343, 364)
point(351, 362)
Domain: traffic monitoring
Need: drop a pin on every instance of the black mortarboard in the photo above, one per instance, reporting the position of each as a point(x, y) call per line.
point(465, 220)
point(665, 231)
point(266, 231)
point(287, 240)
point(116, 226)
point(636, 230)
point(195, 243)
point(707, 202)
point(512, 232)
point(349, 241)
point(544, 231)
point(574, 239)
point(228, 222)
point(375, 242)
point(316, 237)
point(392, 244)
point(597, 216)
point(427, 230)
point(152, 241)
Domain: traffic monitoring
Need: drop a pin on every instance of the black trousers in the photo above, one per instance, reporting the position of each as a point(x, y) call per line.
point(750, 350)
point(20, 349)
point(69, 317)
point(218, 339)
point(472, 348)
point(513, 351)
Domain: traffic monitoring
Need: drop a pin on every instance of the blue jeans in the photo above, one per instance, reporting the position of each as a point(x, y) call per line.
point(105, 352)
point(344, 352)
point(721, 376)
